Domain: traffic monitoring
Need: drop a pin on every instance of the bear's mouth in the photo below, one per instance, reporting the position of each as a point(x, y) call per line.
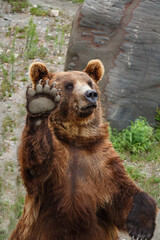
point(89, 107)
point(86, 111)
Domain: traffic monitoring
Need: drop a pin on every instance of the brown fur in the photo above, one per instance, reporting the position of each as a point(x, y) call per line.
point(95, 69)
point(77, 188)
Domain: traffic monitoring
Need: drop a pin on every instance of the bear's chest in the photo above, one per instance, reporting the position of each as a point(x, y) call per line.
point(81, 173)
point(79, 197)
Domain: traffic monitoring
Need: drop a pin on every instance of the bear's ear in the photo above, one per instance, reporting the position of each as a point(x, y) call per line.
point(95, 69)
point(37, 71)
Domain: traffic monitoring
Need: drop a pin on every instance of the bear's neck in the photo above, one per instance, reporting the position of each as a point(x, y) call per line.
point(80, 135)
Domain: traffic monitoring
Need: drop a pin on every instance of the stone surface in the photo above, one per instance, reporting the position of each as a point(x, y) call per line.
point(53, 13)
point(125, 36)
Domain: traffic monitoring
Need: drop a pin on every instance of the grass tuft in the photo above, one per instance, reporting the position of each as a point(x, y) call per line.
point(18, 5)
point(38, 11)
point(138, 137)
point(77, 1)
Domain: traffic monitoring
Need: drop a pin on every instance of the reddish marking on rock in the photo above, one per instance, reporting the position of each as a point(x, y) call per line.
point(118, 39)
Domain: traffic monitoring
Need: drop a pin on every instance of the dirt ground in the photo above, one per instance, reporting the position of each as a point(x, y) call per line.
point(13, 106)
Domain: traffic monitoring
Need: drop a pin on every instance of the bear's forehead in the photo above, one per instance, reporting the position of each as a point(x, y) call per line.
point(72, 76)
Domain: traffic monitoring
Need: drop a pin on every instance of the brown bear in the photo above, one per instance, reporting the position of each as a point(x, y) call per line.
point(77, 187)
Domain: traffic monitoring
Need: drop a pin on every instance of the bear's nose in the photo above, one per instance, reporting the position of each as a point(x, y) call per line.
point(91, 95)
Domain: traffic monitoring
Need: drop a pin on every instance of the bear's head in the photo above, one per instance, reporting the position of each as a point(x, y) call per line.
point(80, 96)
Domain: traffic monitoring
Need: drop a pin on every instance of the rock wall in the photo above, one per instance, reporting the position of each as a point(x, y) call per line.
point(125, 35)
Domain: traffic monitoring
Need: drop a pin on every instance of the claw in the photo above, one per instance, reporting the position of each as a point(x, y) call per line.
point(39, 88)
point(58, 90)
point(149, 235)
point(46, 88)
point(53, 85)
point(57, 98)
point(30, 92)
point(139, 237)
point(53, 92)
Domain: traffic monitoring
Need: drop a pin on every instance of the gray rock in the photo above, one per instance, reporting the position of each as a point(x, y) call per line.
point(125, 36)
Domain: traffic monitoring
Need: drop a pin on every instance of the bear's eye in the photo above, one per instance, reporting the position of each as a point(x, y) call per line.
point(69, 86)
point(90, 84)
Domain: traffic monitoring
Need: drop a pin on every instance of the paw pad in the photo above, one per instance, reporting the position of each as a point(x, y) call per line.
point(43, 99)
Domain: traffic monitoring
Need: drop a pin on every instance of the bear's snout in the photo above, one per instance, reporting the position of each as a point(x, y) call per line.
point(91, 95)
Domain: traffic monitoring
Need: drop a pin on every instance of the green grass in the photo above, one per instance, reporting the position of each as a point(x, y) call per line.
point(18, 5)
point(32, 49)
point(7, 126)
point(31, 40)
point(77, 1)
point(138, 137)
point(13, 211)
point(148, 156)
point(24, 79)
point(139, 146)
point(38, 11)
point(149, 184)
point(18, 206)
point(61, 30)
point(1, 184)
point(4, 57)
point(6, 86)
point(19, 30)
point(157, 118)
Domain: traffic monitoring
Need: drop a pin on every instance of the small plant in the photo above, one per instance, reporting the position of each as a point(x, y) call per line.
point(31, 48)
point(18, 5)
point(38, 11)
point(59, 40)
point(3, 234)
point(149, 184)
point(157, 117)
point(18, 207)
point(6, 87)
point(42, 52)
point(135, 173)
point(4, 58)
point(19, 30)
point(135, 138)
point(7, 126)
point(139, 135)
point(157, 134)
point(24, 79)
point(12, 57)
point(77, 1)
point(1, 184)
point(48, 36)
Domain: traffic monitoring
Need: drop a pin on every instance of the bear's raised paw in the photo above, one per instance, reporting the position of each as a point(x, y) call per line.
point(43, 99)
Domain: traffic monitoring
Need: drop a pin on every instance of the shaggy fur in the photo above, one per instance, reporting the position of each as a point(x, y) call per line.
point(77, 187)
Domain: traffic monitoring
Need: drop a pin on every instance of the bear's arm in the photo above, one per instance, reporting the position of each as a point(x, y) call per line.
point(130, 208)
point(35, 153)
